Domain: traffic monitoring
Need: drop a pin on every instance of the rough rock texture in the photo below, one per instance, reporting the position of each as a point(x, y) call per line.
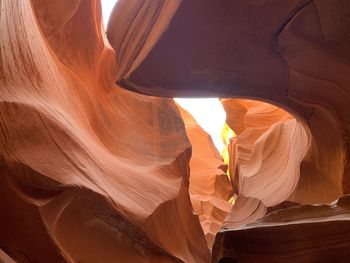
point(93, 172)
point(210, 187)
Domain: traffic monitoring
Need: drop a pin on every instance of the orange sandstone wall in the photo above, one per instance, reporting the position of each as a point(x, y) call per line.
point(210, 188)
point(265, 157)
point(89, 172)
point(293, 54)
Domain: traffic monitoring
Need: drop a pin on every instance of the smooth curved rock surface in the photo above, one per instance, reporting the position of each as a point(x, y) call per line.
point(97, 173)
point(4, 258)
point(210, 188)
point(76, 149)
point(265, 157)
point(306, 233)
point(294, 54)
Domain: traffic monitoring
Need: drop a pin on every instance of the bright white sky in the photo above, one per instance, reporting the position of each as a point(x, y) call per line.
point(208, 113)
point(107, 7)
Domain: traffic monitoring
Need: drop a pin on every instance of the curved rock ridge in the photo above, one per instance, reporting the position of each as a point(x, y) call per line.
point(5, 258)
point(210, 188)
point(265, 157)
point(294, 54)
point(305, 233)
point(93, 172)
point(134, 28)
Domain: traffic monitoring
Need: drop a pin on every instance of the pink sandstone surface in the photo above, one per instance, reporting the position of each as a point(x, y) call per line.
point(98, 163)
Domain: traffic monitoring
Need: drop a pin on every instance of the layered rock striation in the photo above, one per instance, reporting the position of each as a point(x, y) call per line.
point(210, 188)
point(90, 172)
point(305, 233)
point(293, 54)
point(265, 157)
point(93, 172)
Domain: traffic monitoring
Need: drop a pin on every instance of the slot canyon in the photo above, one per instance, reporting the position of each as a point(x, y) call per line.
point(99, 163)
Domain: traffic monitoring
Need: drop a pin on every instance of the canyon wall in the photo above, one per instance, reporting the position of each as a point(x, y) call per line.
point(95, 156)
point(210, 188)
point(294, 54)
point(265, 157)
point(90, 172)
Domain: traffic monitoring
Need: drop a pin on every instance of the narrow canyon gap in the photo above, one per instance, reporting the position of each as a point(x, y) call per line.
point(99, 164)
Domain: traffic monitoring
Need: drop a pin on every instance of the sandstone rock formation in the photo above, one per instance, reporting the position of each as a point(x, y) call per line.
point(265, 157)
point(89, 172)
point(210, 189)
point(93, 171)
point(293, 54)
point(306, 233)
point(5, 258)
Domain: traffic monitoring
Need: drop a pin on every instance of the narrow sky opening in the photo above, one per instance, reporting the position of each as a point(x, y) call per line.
point(208, 113)
point(107, 7)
